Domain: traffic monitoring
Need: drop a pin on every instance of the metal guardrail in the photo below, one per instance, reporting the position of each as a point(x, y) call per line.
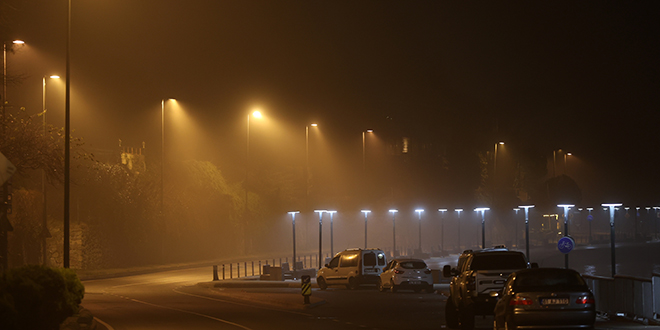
point(632, 296)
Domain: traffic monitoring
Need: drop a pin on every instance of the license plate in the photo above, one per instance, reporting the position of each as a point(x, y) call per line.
point(554, 301)
point(415, 282)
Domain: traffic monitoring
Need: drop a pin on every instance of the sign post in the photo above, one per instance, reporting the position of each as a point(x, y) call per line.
point(306, 286)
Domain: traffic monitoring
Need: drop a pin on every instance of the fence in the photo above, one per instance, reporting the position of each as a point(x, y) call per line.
point(627, 295)
point(254, 268)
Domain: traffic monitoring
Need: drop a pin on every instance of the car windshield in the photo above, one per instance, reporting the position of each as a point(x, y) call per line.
point(498, 261)
point(549, 280)
point(413, 264)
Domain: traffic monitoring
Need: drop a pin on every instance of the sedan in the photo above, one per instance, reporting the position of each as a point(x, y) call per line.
point(545, 298)
point(411, 274)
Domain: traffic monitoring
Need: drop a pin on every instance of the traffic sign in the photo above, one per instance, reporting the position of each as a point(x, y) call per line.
point(565, 244)
point(590, 217)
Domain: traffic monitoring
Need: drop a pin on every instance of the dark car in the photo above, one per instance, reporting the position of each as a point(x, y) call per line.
point(545, 298)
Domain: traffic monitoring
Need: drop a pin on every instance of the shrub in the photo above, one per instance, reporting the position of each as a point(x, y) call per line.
point(38, 297)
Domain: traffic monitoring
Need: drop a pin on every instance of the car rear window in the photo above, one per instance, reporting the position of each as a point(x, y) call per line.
point(549, 280)
point(413, 264)
point(498, 261)
point(370, 259)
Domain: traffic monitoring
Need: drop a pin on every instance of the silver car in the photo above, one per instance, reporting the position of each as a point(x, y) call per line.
point(410, 274)
point(545, 298)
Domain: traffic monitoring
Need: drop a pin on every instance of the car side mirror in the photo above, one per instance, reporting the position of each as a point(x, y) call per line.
point(535, 265)
point(327, 266)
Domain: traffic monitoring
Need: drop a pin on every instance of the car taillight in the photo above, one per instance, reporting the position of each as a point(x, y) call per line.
point(397, 271)
point(427, 271)
point(520, 301)
point(585, 300)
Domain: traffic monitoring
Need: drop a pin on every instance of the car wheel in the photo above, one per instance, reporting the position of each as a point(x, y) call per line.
point(451, 314)
point(394, 288)
point(352, 283)
point(467, 319)
point(321, 282)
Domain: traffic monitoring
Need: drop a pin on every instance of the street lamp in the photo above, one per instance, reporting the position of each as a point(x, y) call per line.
point(442, 230)
point(364, 151)
point(565, 167)
point(483, 225)
point(320, 212)
point(332, 248)
point(307, 178)
point(394, 211)
point(495, 156)
point(419, 214)
point(366, 213)
point(516, 222)
point(256, 114)
point(612, 238)
point(459, 227)
point(162, 173)
point(44, 231)
point(566, 207)
point(293, 222)
point(526, 207)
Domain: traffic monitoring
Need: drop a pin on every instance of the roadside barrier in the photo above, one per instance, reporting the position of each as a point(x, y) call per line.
point(234, 269)
point(631, 296)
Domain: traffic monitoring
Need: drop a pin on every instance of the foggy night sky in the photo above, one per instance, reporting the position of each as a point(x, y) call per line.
point(581, 76)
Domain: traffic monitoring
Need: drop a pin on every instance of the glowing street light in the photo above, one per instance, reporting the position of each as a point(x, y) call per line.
point(394, 211)
point(293, 222)
point(526, 207)
point(332, 248)
point(320, 212)
point(442, 230)
point(459, 227)
point(566, 207)
point(364, 151)
point(501, 143)
point(366, 213)
point(611, 208)
point(419, 214)
point(162, 173)
point(483, 224)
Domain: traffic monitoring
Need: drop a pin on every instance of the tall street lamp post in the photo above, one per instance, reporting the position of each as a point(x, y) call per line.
point(394, 211)
point(495, 156)
point(364, 149)
point(44, 226)
point(566, 207)
point(162, 175)
point(307, 171)
point(366, 213)
point(419, 214)
point(483, 210)
point(293, 223)
point(611, 208)
point(246, 213)
point(320, 212)
point(459, 228)
point(442, 230)
point(332, 248)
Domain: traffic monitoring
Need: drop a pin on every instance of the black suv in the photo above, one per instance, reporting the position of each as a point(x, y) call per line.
point(477, 274)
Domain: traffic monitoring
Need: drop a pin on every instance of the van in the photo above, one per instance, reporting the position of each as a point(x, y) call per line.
point(352, 268)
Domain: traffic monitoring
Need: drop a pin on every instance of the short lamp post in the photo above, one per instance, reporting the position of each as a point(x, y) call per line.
point(526, 208)
point(611, 208)
point(483, 210)
point(419, 213)
point(566, 207)
point(442, 230)
point(320, 212)
point(394, 211)
point(459, 227)
point(293, 222)
point(366, 214)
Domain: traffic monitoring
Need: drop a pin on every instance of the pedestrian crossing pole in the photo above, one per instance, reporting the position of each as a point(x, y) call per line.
point(306, 286)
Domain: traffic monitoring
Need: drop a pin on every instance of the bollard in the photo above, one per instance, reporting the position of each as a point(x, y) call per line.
point(231, 271)
point(306, 287)
point(252, 268)
point(245, 268)
point(259, 267)
point(215, 273)
point(238, 270)
point(223, 271)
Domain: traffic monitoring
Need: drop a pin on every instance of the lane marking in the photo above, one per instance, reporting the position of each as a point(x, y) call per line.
point(239, 303)
point(108, 326)
point(192, 313)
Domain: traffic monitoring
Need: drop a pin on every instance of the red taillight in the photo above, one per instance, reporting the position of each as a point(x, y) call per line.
point(398, 271)
point(520, 301)
point(428, 271)
point(585, 300)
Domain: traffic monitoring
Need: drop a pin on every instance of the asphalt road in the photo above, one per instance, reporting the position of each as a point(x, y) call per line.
point(176, 300)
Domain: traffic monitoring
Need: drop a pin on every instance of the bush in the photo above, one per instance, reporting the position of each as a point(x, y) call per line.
point(38, 297)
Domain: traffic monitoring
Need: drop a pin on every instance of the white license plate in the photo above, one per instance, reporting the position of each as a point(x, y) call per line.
point(415, 282)
point(554, 301)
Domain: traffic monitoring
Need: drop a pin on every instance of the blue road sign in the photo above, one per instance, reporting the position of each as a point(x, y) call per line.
point(590, 217)
point(565, 244)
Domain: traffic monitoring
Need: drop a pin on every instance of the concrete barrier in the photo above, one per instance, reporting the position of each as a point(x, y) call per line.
point(635, 297)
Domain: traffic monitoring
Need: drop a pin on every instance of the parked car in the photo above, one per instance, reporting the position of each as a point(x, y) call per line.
point(545, 297)
point(352, 268)
point(478, 273)
point(406, 274)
